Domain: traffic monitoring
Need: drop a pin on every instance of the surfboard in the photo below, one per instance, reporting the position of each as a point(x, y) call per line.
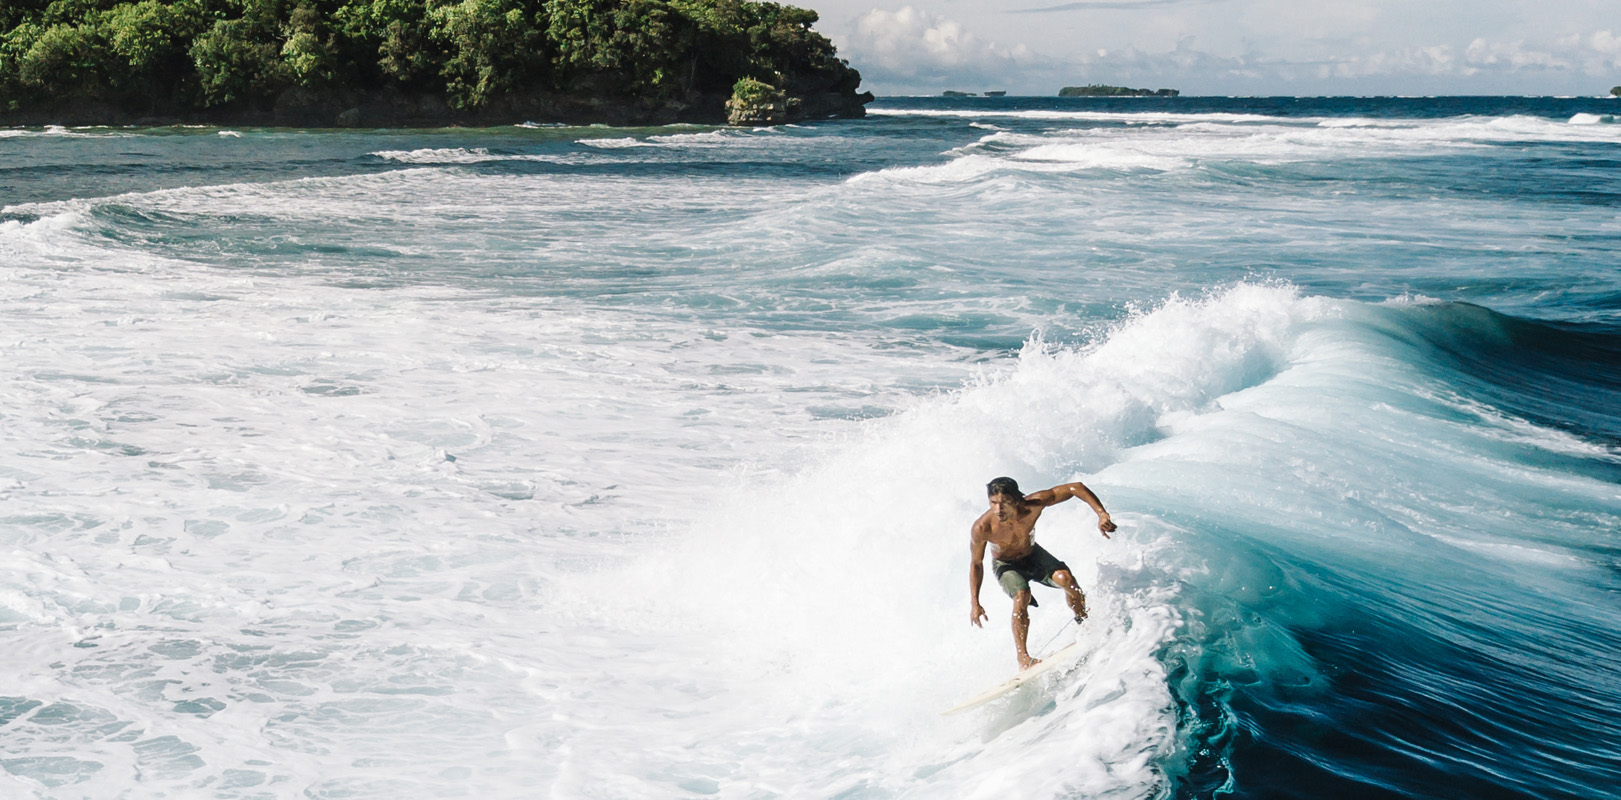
point(1057, 659)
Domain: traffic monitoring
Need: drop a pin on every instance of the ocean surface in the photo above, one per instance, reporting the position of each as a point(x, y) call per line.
point(573, 462)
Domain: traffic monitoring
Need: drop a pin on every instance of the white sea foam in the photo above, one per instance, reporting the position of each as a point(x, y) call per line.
point(721, 137)
point(336, 415)
point(1216, 138)
point(718, 139)
point(1411, 299)
point(1087, 156)
point(437, 155)
point(463, 155)
point(50, 131)
point(619, 143)
point(1107, 116)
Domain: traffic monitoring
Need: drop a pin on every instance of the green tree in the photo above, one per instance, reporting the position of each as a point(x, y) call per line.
point(310, 52)
point(768, 41)
point(61, 59)
point(148, 48)
point(239, 59)
point(643, 45)
point(73, 12)
point(16, 12)
point(390, 41)
point(492, 47)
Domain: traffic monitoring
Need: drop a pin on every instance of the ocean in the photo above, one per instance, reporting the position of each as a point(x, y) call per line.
point(568, 462)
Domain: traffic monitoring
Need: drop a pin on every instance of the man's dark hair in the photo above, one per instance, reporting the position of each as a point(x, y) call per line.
point(1004, 486)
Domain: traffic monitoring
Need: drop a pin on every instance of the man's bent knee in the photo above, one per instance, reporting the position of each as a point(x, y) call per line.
point(1021, 601)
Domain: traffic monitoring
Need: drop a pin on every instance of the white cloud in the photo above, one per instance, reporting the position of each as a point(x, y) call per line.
point(1606, 43)
point(919, 49)
point(1512, 55)
point(1425, 62)
point(1599, 52)
point(1573, 61)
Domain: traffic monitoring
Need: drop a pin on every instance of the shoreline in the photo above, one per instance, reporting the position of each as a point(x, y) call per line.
point(300, 108)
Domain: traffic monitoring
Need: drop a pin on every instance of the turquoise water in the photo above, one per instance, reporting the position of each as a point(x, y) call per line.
point(591, 462)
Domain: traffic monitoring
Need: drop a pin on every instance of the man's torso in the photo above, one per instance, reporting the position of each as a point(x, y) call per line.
point(1013, 538)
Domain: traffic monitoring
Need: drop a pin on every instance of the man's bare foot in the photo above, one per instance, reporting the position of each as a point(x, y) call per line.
point(1026, 662)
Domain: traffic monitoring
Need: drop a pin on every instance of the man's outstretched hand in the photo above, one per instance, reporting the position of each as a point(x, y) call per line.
point(977, 616)
point(1105, 525)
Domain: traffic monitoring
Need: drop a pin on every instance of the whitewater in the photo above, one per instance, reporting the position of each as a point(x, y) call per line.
point(582, 462)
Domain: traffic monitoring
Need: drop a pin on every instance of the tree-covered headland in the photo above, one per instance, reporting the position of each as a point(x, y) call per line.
point(417, 62)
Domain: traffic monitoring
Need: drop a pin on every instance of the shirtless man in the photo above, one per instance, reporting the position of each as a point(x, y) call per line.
point(1008, 527)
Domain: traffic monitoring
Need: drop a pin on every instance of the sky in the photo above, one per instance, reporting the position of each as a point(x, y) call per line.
point(1230, 47)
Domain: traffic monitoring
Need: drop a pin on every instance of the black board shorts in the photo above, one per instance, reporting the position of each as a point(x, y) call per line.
point(1039, 566)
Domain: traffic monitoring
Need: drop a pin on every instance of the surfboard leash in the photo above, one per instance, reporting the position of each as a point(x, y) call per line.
point(1055, 636)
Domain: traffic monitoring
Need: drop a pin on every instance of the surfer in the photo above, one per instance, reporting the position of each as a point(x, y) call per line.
point(1009, 528)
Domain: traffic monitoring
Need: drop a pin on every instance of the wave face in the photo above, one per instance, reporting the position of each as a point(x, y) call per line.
point(612, 463)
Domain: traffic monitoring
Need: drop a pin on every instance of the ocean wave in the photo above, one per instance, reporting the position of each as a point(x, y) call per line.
point(1141, 117)
point(1049, 416)
point(437, 155)
point(286, 197)
point(701, 139)
point(1193, 142)
point(719, 137)
point(620, 143)
point(1236, 436)
point(963, 169)
point(462, 155)
point(57, 131)
point(44, 233)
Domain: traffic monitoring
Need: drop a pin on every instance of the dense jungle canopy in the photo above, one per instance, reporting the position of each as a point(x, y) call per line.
point(188, 57)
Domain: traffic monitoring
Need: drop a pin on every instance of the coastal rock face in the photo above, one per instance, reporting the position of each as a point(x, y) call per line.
point(347, 63)
point(754, 102)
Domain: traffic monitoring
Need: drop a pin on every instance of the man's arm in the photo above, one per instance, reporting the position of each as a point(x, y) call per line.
point(1058, 494)
point(976, 574)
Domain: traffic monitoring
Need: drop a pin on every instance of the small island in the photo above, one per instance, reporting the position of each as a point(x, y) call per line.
point(1615, 91)
point(418, 63)
point(1099, 90)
